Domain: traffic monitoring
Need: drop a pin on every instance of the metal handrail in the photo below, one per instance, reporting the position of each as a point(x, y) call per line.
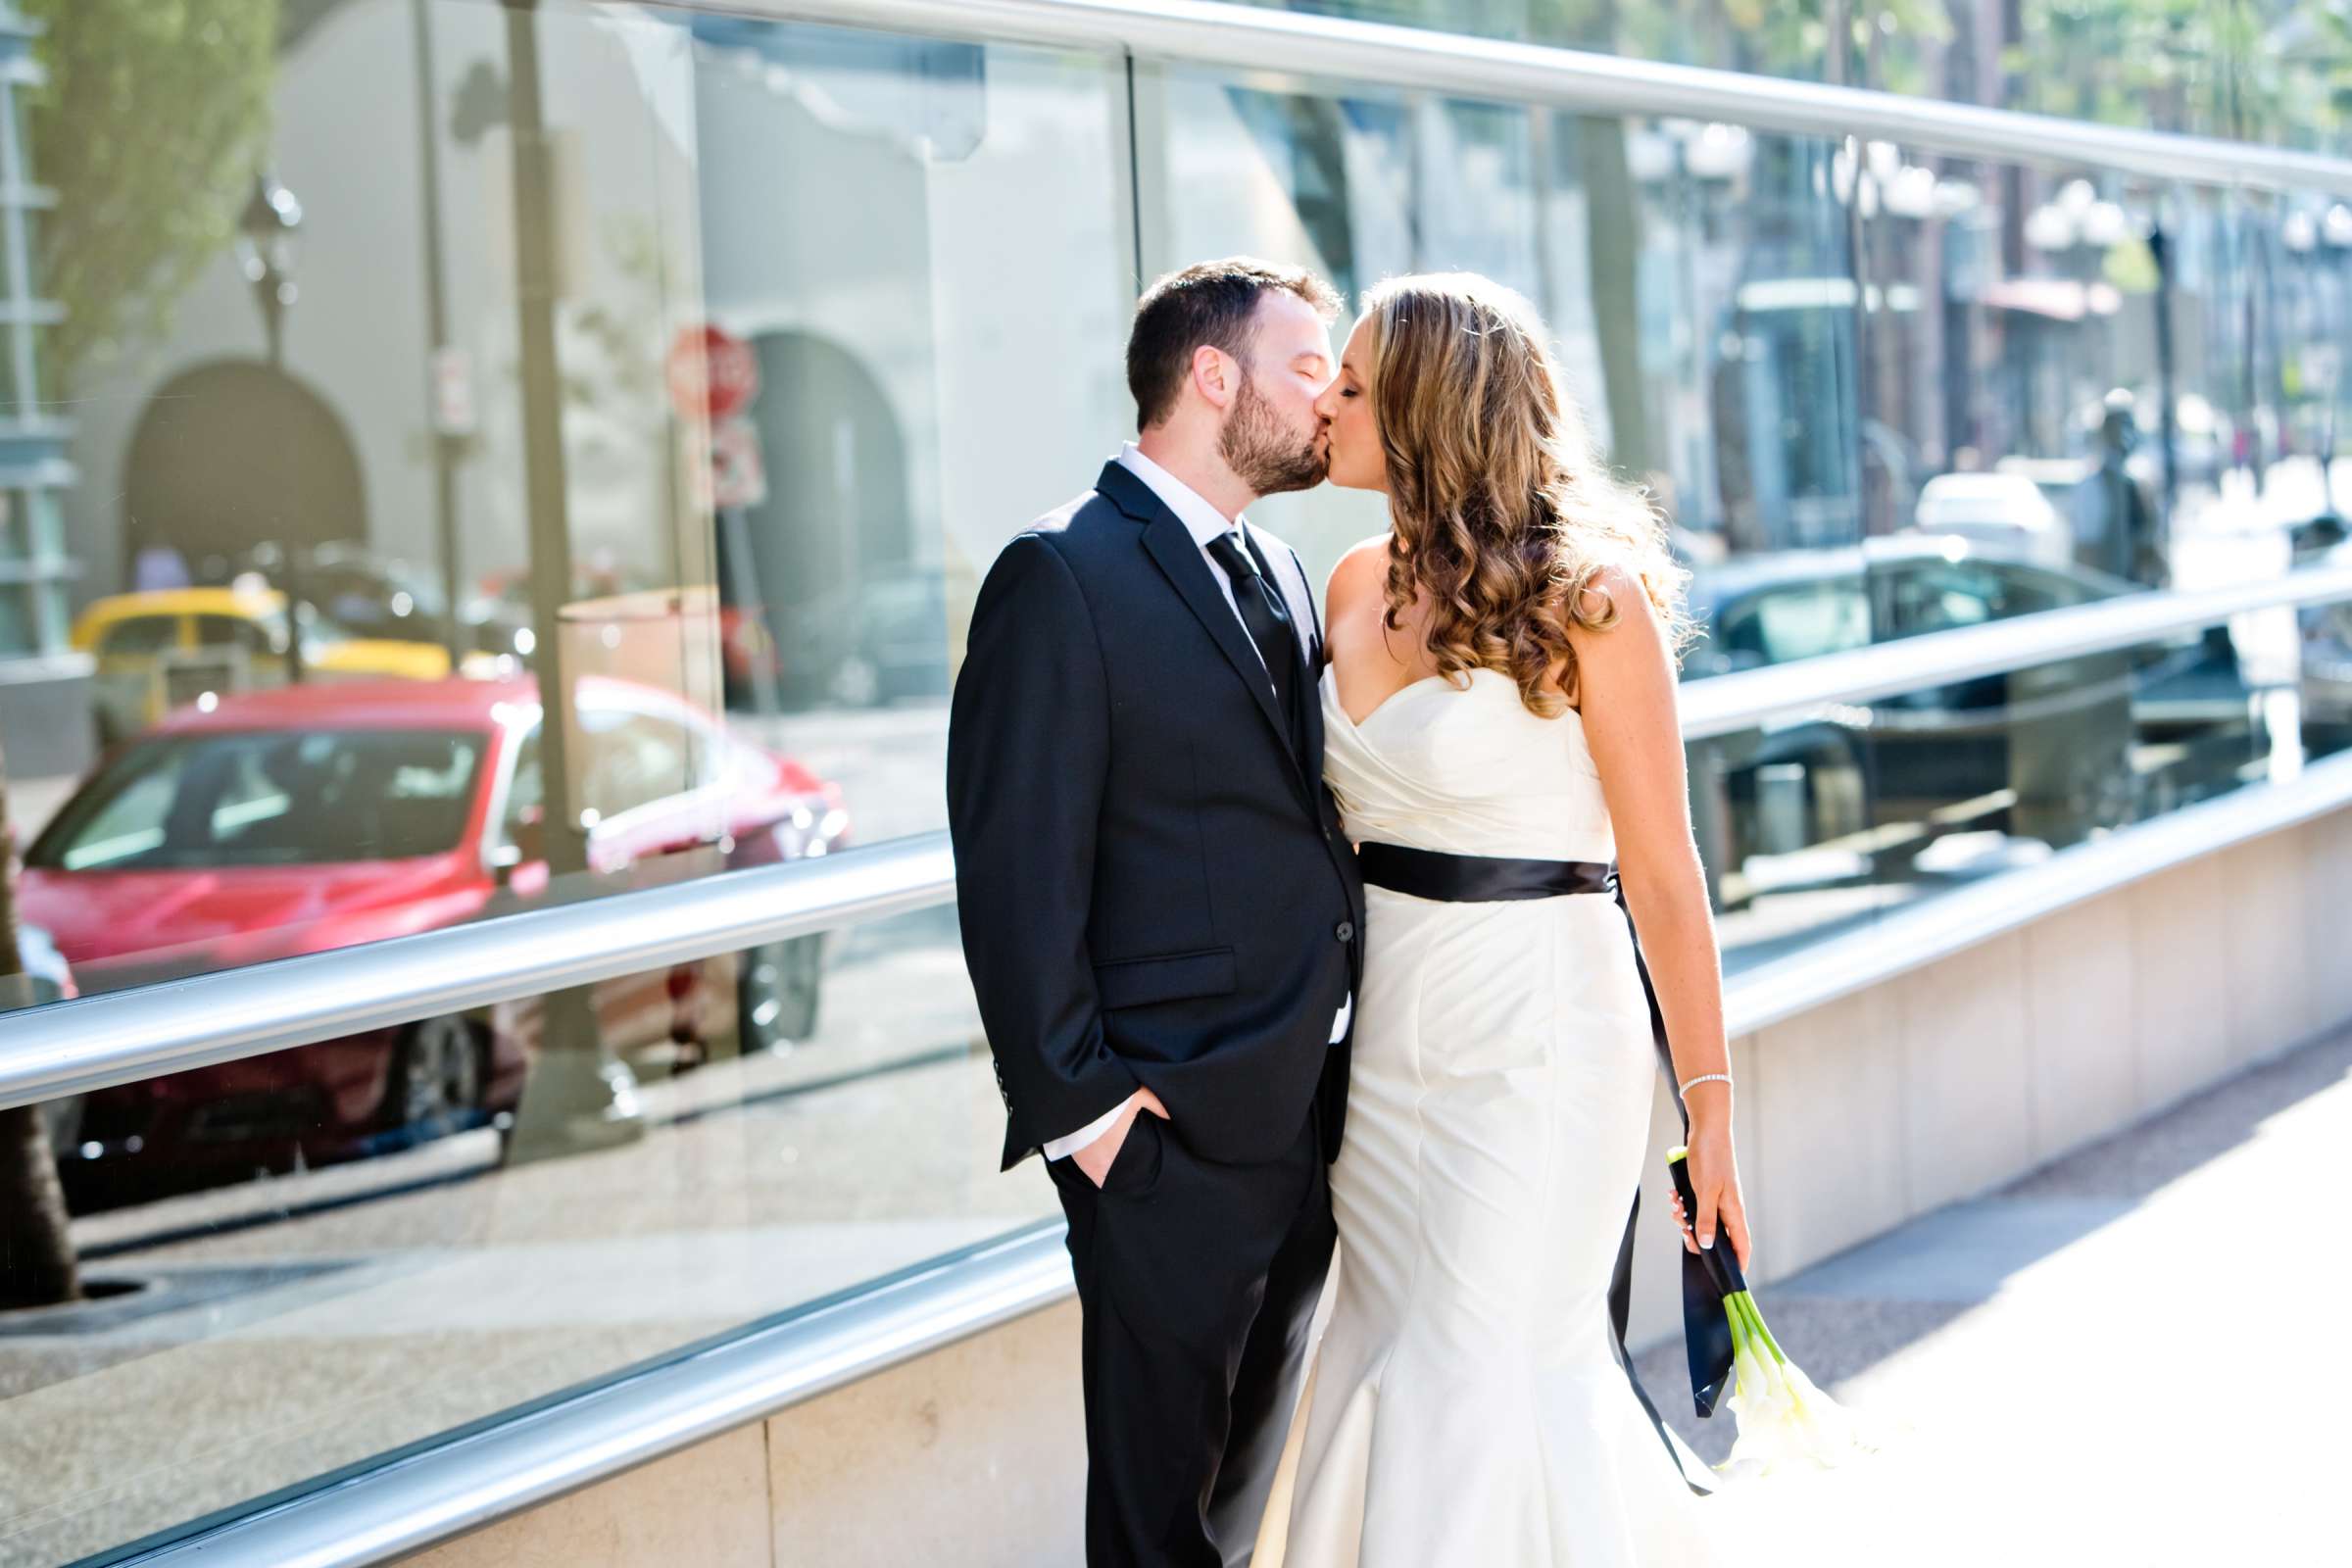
point(1822, 971)
point(1722, 705)
point(415, 1501)
point(447, 1488)
point(67, 1048)
point(1248, 39)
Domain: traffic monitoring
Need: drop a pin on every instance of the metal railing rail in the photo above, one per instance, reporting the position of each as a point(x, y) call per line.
point(1722, 705)
point(1254, 40)
point(444, 1490)
point(1962, 917)
point(69, 1048)
point(448, 1489)
point(73, 1046)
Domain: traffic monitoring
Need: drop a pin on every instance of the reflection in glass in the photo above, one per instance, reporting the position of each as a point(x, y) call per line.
point(421, 1281)
point(2264, 77)
point(1696, 277)
point(266, 799)
point(1819, 821)
point(316, 579)
point(2084, 369)
point(325, 594)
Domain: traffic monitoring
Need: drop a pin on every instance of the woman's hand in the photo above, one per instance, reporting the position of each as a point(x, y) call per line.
point(1714, 1182)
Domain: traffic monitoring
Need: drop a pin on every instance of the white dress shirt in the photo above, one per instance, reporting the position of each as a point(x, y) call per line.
point(1205, 523)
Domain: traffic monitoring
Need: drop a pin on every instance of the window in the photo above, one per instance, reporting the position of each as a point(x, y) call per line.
point(1798, 621)
point(17, 628)
point(1939, 595)
point(630, 759)
point(234, 631)
point(140, 637)
point(1939, 598)
point(526, 792)
point(268, 798)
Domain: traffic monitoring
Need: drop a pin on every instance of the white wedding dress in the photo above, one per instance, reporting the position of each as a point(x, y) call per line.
point(1466, 1406)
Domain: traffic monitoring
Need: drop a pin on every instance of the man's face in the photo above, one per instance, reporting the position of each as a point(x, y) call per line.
point(1273, 436)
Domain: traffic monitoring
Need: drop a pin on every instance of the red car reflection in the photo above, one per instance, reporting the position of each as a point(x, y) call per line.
point(311, 818)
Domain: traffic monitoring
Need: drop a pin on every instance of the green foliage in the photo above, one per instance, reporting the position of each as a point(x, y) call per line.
point(2276, 71)
point(150, 127)
point(2262, 71)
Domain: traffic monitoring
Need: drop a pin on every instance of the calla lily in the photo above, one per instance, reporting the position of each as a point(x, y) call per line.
point(1784, 1421)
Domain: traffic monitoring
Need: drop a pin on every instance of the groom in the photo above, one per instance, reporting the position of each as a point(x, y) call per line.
point(1160, 916)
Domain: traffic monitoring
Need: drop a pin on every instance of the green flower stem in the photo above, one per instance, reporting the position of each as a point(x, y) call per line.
point(1746, 1305)
point(1755, 1315)
point(1744, 1329)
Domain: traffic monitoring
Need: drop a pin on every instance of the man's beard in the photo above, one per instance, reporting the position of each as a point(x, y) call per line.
point(1262, 454)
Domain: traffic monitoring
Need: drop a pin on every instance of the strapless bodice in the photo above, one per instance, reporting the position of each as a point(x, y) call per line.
point(1466, 769)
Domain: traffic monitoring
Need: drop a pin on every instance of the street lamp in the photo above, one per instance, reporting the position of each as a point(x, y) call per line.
point(1700, 160)
point(265, 232)
point(2321, 244)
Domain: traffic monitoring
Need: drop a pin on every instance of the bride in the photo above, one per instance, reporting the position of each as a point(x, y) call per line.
point(1501, 712)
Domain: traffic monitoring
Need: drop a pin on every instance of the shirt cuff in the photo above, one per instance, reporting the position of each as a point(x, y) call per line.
point(1063, 1147)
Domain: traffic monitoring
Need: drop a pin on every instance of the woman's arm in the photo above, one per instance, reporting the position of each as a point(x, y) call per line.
point(1626, 689)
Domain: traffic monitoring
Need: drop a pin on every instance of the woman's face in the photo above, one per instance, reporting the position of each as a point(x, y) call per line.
point(1351, 434)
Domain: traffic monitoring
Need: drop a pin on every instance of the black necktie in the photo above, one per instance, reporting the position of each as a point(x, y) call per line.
point(1268, 623)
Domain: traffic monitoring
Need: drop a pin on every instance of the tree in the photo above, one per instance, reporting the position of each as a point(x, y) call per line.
point(36, 1249)
point(149, 129)
point(2265, 70)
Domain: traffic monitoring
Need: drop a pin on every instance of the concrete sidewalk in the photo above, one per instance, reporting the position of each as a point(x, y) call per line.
point(2126, 1357)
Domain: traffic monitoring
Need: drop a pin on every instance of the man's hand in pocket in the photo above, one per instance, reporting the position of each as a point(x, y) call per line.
point(1095, 1158)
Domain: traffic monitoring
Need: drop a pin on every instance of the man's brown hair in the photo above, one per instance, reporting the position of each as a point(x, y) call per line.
point(1209, 303)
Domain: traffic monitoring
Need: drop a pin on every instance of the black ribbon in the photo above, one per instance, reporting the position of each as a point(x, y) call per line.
point(1490, 879)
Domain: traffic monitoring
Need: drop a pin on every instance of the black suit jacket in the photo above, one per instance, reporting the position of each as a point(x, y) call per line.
point(1153, 885)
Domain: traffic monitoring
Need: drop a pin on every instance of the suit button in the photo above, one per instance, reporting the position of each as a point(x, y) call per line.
point(1346, 931)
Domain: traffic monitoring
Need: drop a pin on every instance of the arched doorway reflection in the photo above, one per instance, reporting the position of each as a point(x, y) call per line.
point(833, 543)
point(233, 454)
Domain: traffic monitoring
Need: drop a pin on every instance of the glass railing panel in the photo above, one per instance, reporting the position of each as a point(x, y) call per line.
point(2095, 63)
point(320, 1254)
point(365, 504)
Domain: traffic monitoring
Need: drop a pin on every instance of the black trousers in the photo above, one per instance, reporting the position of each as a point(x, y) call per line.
point(1196, 1282)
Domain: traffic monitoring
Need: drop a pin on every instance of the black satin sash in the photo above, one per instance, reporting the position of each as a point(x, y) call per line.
point(1491, 879)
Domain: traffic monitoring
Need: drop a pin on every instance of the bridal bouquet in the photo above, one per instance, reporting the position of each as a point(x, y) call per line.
point(1784, 1421)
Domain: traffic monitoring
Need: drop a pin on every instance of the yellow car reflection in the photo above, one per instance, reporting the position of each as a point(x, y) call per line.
point(160, 649)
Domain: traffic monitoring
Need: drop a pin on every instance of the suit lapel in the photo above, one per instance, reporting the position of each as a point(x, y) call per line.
point(1170, 544)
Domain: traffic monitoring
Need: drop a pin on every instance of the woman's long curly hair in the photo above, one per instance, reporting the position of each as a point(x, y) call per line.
point(1502, 514)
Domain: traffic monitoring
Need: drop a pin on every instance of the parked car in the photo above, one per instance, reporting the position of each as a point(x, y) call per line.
point(898, 641)
point(2053, 752)
point(160, 648)
point(373, 596)
point(2327, 656)
point(302, 820)
point(2001, 512)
